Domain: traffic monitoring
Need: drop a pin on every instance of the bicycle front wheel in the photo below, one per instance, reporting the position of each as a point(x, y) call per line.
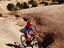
point(23, 40)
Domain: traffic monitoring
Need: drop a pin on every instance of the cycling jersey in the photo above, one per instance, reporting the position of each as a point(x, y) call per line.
point(27, 30)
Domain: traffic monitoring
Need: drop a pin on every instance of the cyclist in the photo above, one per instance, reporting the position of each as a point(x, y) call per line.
point(27, 30)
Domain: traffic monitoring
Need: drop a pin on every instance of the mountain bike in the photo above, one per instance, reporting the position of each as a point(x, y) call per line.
point(32, 43)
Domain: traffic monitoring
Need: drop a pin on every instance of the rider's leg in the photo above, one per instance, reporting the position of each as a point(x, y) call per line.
point(28, 36)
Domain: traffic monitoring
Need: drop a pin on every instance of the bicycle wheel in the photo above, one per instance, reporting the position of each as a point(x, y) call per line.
point(23, 40)
point(35, 44)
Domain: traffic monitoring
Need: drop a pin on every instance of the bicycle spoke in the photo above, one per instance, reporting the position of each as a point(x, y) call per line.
point(23, 40)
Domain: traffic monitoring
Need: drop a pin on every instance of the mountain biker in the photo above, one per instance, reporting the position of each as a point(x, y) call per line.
point(27, 30)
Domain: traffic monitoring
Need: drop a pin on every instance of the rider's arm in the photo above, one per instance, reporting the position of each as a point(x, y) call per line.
point(34, 30)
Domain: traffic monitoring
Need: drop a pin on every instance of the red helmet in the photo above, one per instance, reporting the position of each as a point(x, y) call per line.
point(29, 24)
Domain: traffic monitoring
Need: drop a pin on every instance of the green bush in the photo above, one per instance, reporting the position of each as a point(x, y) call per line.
point(34, 4)
point(30, 2)
point(22, 6)
point(19, 5)
point(25, 5)
point(46, 3)
point(54, 0)
point(10, 6)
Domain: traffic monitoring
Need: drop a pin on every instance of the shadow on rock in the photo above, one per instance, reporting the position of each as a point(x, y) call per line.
point(48, 40)
point(13, 45)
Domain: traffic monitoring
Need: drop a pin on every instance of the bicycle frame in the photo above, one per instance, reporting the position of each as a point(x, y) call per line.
point(32, 40)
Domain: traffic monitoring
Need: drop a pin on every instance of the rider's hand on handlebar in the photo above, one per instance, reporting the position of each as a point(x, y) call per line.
point(37, 35)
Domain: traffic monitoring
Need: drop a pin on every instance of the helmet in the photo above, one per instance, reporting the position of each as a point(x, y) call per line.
point(29, 24)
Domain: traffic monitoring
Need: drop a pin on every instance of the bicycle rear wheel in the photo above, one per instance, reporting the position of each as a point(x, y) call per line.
point(23, 40)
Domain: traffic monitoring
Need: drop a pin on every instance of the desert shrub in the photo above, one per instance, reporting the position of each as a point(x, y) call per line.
point(34, 4)
point(45, 3)
point(42, 2)
point(31, 2)
point(54, 0)
point(19, 5)
point(22, 6)
point(25, 5)
point(10, 6)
